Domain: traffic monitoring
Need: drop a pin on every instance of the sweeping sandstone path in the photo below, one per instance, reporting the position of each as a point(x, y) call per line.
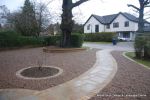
point(80, 88)
point(131, 81)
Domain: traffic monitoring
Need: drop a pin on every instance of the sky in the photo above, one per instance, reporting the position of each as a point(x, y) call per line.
point(82, 12)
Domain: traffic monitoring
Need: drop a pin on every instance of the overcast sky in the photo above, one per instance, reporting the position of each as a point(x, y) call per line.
point(81, 13)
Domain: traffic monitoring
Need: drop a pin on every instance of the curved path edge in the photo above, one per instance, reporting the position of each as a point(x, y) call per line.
point(80, 88)
point(124, 54)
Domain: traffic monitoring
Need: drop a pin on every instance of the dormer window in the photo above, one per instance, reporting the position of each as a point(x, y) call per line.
point(126, 24)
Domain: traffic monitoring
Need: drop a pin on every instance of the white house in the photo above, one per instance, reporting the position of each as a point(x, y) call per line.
point(124, 24)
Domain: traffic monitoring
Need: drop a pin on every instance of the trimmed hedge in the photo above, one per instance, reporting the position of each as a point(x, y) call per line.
point(51, 40)
point(76, 40)
point(12, 39)
point(99, 37)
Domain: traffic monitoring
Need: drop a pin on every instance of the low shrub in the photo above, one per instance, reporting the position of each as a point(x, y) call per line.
point(142, 46)
point(99, 37)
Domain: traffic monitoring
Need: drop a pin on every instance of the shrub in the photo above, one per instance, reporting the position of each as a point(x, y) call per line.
point(77, 40)
point(99, 37)
point(142, 46)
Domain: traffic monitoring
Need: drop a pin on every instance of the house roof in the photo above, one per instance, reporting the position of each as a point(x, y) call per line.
point(108, 19)
point(105, 19)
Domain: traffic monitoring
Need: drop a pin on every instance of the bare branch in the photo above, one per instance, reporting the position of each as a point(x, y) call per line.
point(147, 6)
point(146, 2)
point(130, 5)
point(78, 3)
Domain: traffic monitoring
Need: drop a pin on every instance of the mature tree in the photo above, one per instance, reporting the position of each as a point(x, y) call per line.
point(26, 22)
point(67, 22)
point(143, 4)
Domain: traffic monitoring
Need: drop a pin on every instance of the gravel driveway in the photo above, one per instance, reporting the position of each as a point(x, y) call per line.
point(131, 82)
point(73, 65)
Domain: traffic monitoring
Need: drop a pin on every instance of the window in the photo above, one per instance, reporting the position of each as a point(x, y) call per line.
point(88, 27)
point(108, 26)
point(126, 24)
point(96, 28)
point(115, 25)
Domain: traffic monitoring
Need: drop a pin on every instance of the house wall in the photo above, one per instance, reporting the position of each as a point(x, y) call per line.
point(121, 19)
point(92, 22)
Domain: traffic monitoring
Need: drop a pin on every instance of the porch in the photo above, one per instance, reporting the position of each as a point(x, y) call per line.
point(126, 36)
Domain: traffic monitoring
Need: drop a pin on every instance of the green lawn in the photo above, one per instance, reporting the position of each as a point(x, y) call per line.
point(98, 42)
point(132, 55)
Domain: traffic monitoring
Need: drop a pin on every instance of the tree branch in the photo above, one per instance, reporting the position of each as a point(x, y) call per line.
point(147, 6)
point(130, 5)
point(78, 3)
point(146, 2)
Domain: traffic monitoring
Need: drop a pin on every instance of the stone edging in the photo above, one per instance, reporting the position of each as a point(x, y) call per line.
point(61, 50)
point(18, 73)
point(124, 54)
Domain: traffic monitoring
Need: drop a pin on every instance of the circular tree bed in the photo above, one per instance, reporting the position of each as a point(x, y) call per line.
point(39, 72)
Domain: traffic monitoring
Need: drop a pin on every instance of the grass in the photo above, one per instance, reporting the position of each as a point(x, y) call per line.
point(98, 42)
point(142, 61)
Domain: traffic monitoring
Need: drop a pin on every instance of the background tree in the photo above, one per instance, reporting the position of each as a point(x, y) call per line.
point(43, 16)
point(67, 22)
point(26, 22)
point(143, 4)
point(4, 12)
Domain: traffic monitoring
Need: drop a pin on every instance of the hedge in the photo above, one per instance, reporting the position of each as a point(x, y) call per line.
point(76, 40)
point(99, 37)
point(52, 40)
point(13, 39)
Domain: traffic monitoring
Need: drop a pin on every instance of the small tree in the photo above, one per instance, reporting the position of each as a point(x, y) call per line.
point(143, 5)
point(67, 22)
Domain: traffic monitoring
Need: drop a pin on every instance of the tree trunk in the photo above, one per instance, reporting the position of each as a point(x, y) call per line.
point(66, 23)
point(141, 21)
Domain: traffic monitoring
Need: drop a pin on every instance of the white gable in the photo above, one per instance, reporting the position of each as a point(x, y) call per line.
point(133, 26)
point(92, 22)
